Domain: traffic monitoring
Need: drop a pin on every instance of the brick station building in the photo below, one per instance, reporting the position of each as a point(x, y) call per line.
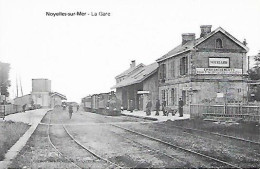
point(210, 69)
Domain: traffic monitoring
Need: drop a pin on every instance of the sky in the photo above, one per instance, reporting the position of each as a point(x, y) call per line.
point(81, 55)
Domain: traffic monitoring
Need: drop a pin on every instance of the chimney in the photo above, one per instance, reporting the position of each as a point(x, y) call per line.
point(132, 64)
point(205, 29)
point(187, 37)
point(244, 42)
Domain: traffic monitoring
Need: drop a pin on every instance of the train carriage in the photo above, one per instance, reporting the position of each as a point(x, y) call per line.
point(87, 103)
point(103, 103)
point(95, 104)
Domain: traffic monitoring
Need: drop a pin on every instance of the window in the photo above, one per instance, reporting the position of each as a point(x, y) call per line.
point(172, 69)
point(167, 101)
point(173, 96)
point(162, 71)
point(163, 95)
point(183, 66)
point(184, 97)
point(219, 44)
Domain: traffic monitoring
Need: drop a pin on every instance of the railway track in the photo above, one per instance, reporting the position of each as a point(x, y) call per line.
point(61, 154)
point(218, 134)
point(108, 164)
point(184, 163)
point(226, 164)
point(204, 137)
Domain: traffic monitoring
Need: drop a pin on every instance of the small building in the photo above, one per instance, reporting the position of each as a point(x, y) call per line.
point(57, 99)
point(210, 69)
point(137, 85)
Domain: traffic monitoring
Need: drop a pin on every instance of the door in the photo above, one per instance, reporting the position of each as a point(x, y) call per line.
point(141, 101)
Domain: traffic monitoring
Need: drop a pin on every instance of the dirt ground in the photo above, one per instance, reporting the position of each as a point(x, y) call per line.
point(130, 150)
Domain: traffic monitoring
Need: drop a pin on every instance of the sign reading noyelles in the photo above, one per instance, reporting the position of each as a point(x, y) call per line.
point(227, 71)
point(218, 62)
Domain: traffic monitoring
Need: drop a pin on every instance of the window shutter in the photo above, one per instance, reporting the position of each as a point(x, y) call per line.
point(160, 71)
point(186, 65)
point(173, 73)
point(181, 66)
point(164, 71)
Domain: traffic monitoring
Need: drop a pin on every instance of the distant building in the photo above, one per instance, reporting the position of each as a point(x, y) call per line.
point(41, 89)
point(26, 99)
point(136, 85)
point(209, 69)
point(41, 95)
point(57, 99)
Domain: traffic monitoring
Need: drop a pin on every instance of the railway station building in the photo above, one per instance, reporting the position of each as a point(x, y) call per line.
point(135, 86)
point(210, 69)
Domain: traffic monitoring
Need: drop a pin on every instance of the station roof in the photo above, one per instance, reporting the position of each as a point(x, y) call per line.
point(130, 70)
point(192, 44)
point(138, 76)
point(63, 97)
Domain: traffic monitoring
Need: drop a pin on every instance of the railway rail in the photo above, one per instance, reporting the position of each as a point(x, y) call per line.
point(218, 134)
point(111, 164)
point(206, 138)
point(226, 164)
point(50, 141)
point(174, 157)
point(91, 152)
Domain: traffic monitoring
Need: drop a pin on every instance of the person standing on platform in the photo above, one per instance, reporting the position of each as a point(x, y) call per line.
point(157, 107)
point(148, 108)
point(24, 106)
point(70, 111)
point(163, 107)
point(181, 107)
point(131, 106)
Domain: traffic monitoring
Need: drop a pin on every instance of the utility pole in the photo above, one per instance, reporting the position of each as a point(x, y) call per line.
point(21, 86)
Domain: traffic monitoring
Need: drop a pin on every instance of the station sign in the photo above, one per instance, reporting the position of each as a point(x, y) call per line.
point(219, 62)
point(215, 71)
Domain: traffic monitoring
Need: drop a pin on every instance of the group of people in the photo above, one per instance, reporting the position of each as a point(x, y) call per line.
point(158, 105)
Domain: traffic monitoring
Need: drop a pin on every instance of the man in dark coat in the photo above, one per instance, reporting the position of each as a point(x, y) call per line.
point(24, 106)
point(163, 107)
point(181, 107)
point(157, 107)
point(70, 111)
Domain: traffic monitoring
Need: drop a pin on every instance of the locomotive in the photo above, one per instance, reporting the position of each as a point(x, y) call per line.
point(103, 103)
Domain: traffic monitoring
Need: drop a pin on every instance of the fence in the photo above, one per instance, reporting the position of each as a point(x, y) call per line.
point(246, 112)
point(9, 109)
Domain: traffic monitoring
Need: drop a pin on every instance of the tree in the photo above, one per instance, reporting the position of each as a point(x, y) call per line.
point(4, 78)
point(254, 74)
